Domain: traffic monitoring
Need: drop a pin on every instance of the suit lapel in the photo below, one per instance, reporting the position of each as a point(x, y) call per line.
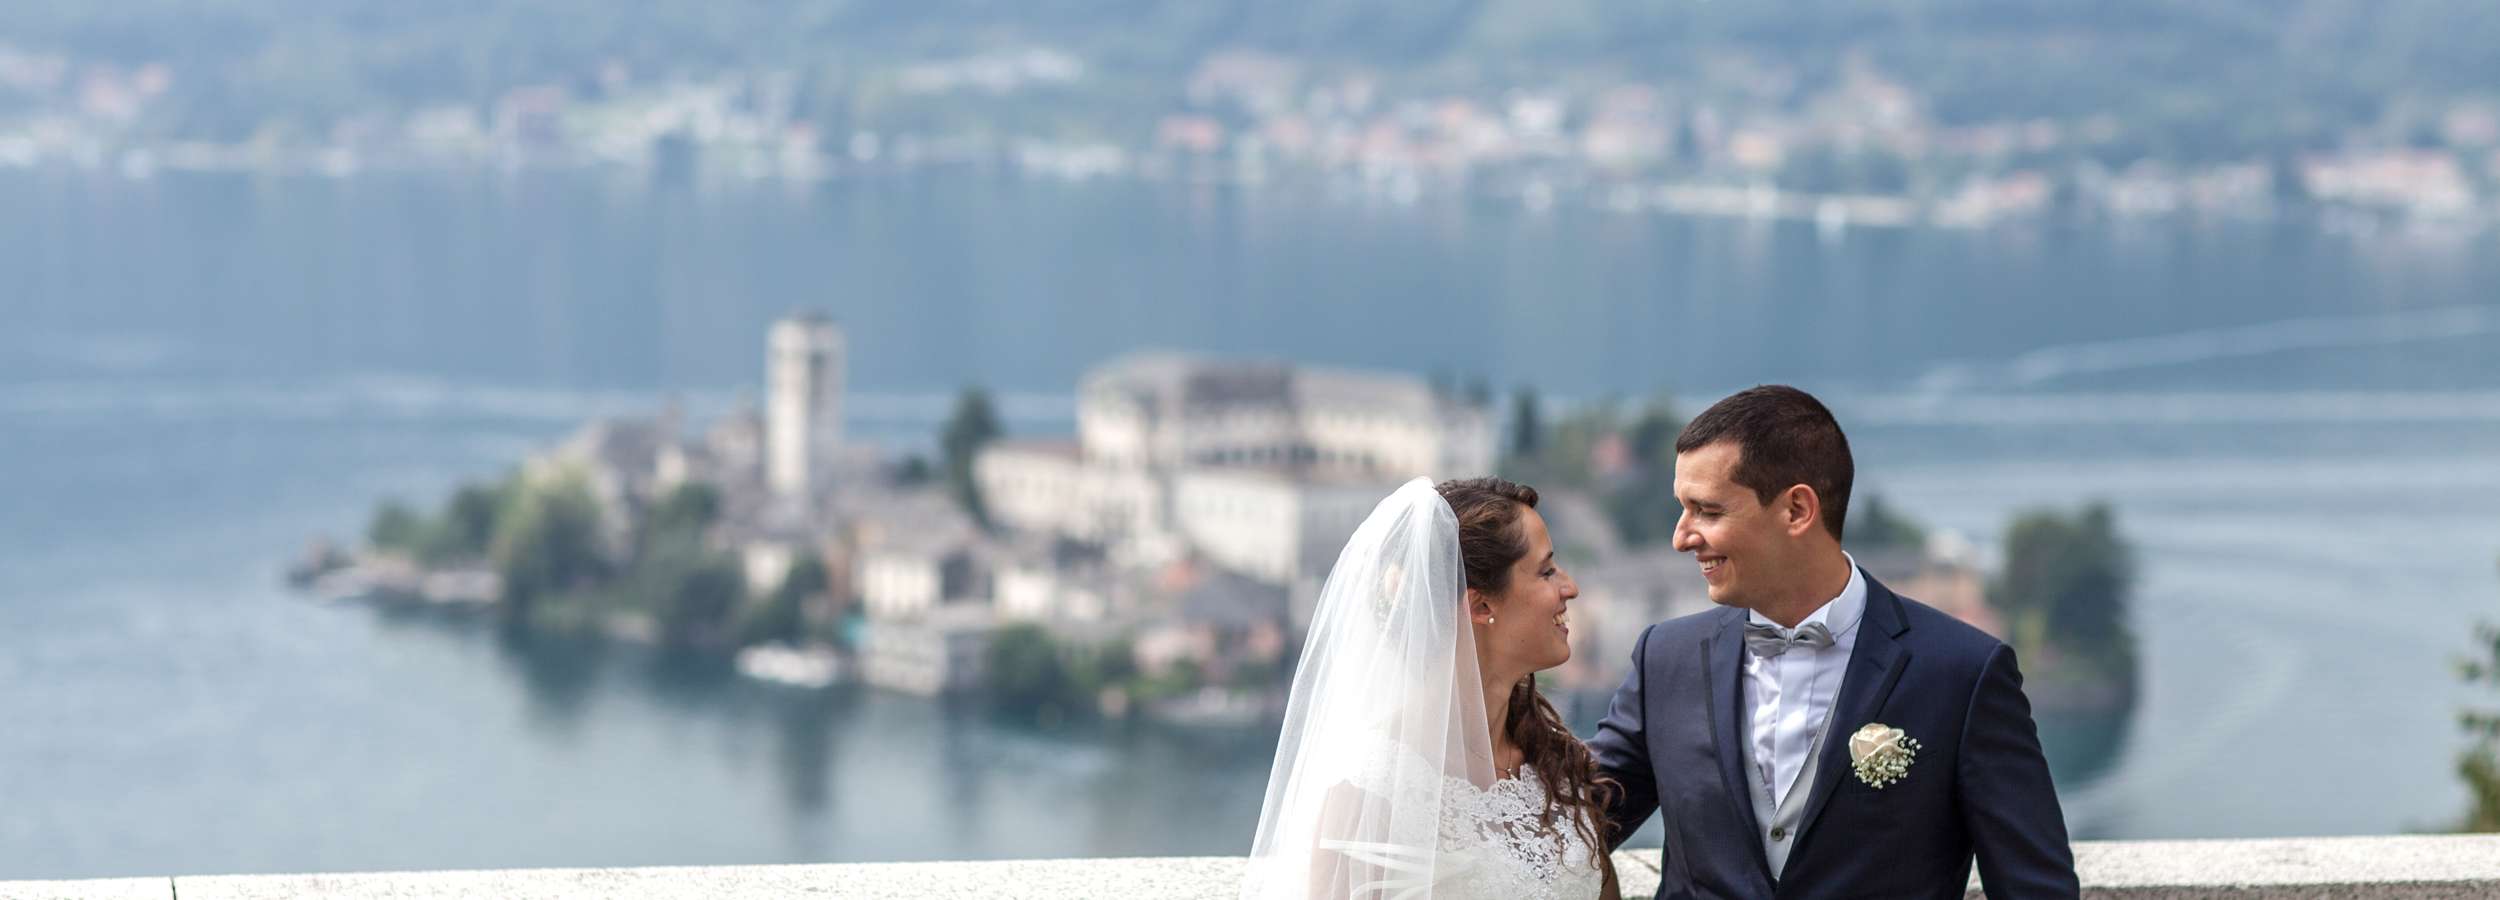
point(1875, 665)
point(1723, 657)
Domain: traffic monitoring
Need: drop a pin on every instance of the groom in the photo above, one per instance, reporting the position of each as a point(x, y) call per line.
point(1819, 735)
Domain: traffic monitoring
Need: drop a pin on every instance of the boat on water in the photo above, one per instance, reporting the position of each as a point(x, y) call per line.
point(812, 666)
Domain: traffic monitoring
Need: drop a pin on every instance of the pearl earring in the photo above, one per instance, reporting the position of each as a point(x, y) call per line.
point(1488, 620)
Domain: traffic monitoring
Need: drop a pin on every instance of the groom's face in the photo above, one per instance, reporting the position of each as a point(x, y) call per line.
point(1740, 545)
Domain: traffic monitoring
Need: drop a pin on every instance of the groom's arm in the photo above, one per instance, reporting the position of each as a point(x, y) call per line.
point(1622, 750)
point(2009, 805)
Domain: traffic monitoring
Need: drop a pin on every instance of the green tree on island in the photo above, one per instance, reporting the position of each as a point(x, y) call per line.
point(1879, 526)
point(1643, 503)
point(971, 426)
point(467, 529)
point(783, 616)
point(547, 538)
point(686, 514)
point(2480, 764)
point(696, 601)
point(1037, 677)
point(396, 527)
point(1527, 424)
point(691, 590)
point(547, 543)
point(1026, 674)
point(1576, 452)
point(914, 471)
point(2064, 595)
point(464, 532)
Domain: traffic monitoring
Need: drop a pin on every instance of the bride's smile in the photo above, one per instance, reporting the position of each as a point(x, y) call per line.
point(1524, 626)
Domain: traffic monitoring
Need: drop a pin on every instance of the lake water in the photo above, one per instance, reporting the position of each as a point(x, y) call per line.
point(2300, 431)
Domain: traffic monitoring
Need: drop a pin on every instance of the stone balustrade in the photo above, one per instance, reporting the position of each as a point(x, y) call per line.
point(2425, 866)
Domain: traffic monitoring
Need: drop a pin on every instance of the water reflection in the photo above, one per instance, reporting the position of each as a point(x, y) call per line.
point(691, 682)
point(558, 674)
point(2084, 747)
point(809, 747)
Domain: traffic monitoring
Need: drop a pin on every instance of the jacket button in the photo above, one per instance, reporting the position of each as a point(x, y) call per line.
point(1779, 834)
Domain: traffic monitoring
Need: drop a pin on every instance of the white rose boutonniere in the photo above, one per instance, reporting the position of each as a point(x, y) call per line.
point(1881, 754)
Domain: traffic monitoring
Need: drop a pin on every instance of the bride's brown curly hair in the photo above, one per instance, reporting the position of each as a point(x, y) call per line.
point(1490, 541)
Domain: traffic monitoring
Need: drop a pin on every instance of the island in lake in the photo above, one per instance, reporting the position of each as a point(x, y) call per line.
point(1161, 562)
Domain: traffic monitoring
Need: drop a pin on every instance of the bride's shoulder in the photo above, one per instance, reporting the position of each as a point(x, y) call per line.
point(1383, 765)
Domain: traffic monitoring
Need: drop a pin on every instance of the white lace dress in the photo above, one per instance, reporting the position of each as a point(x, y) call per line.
point(1494, 845)
point(1515, 854)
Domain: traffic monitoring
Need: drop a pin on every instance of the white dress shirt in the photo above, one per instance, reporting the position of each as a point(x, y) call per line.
point(1792, 693)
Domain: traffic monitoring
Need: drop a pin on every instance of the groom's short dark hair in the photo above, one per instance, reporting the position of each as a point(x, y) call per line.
point(1783, 437)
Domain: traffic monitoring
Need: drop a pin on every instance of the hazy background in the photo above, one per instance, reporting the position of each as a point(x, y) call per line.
point(272, 262)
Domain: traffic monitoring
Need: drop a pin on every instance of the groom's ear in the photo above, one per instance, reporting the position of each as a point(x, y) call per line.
point(1800, 511)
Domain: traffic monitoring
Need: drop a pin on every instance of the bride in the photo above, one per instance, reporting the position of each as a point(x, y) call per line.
point(1417, 759)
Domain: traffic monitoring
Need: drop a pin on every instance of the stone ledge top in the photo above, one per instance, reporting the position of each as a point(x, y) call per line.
point(2406, 866)
point(93, 889)
point(2358, 861)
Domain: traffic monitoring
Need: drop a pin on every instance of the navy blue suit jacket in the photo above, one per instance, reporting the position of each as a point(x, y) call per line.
point(1675, 741)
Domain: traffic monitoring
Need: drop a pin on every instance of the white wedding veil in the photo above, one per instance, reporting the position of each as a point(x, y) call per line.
point(1386, 718)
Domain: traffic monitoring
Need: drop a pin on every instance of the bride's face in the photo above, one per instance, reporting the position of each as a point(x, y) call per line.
point(1526, 628)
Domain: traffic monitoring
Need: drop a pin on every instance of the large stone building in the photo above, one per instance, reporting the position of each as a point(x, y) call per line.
point(1260, 467)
